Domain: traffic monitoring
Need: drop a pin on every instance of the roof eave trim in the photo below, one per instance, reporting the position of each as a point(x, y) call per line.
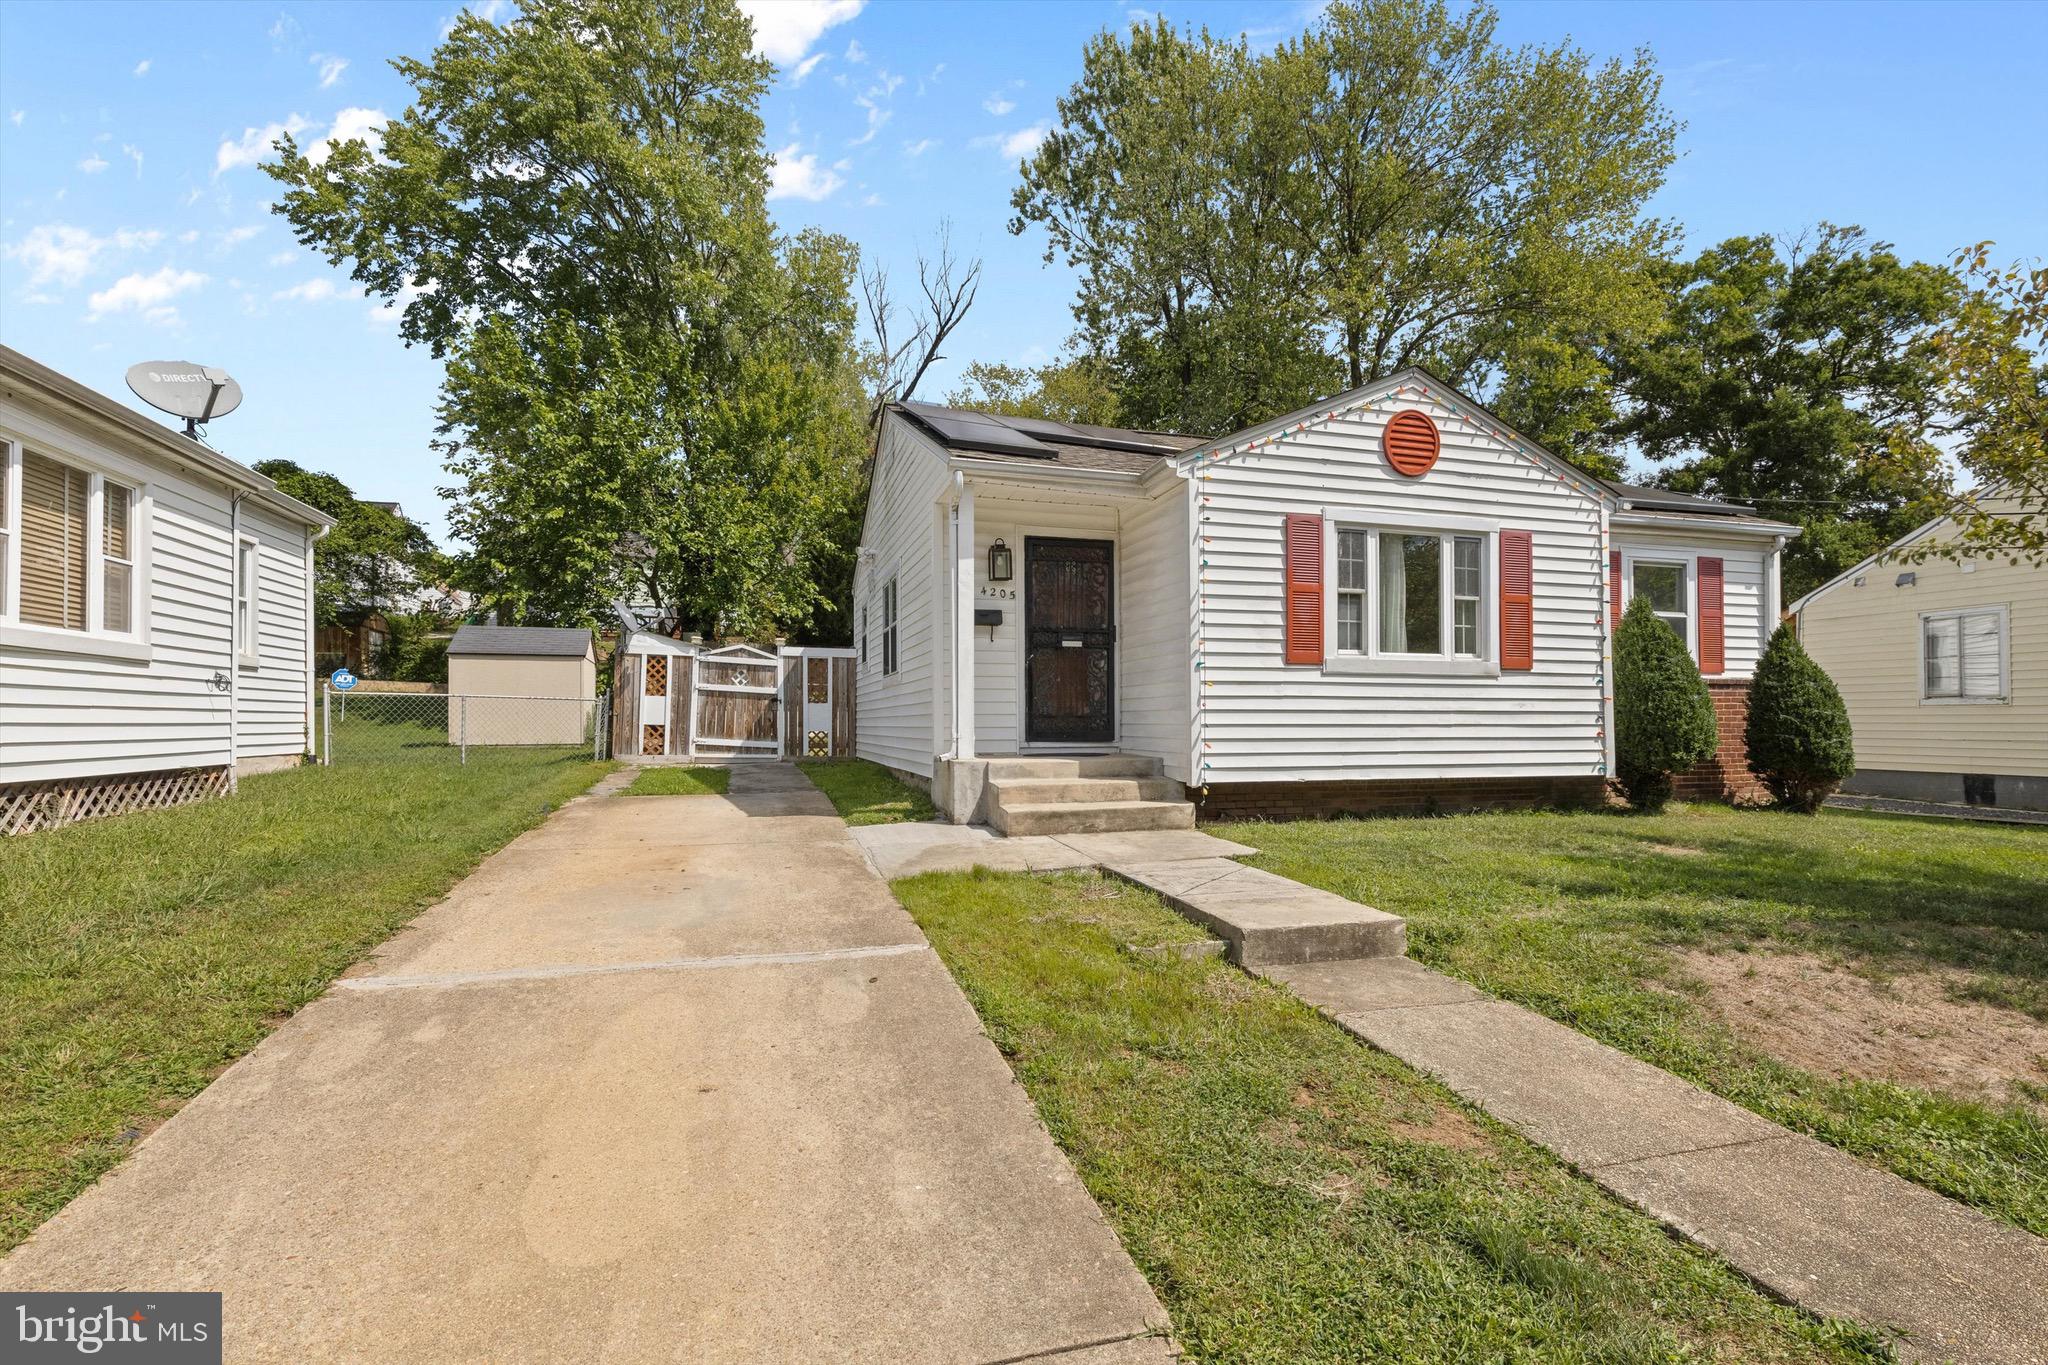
point(1705, 521)
point(1863, 566)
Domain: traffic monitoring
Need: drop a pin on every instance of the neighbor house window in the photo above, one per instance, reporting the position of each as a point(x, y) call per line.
point(1409, 593)
point(245, 599)
point(863, 637)
point(889, 626)
point(1663, 582)
point(1963, 655)
point(72, 531)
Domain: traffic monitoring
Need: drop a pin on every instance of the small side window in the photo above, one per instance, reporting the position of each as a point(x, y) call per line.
point(889, 627)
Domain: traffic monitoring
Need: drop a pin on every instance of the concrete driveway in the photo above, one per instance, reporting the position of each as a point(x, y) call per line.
point(669, 1078)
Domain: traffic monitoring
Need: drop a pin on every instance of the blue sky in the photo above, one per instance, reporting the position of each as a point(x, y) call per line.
point(134, 225)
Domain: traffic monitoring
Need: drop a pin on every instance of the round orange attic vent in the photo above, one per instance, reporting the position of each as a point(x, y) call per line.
point(1411, 442)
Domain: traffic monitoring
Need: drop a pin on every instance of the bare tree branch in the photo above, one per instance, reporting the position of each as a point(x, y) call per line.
point(948, 287)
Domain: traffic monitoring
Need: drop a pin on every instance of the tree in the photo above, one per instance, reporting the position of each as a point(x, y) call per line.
point(1988, 360)
point(1076, 390)
point(1782, 373)
point(1395, 187)
point(1663, 713)
point(372, 560)
point(903, 349)
point(1797, 734)
point(572, 215)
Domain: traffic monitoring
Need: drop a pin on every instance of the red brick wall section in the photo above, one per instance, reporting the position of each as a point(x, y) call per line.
point(1420, 796)
point(1725, 776)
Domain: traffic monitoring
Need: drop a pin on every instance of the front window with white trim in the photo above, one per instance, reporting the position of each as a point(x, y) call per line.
point(1663, 582)
point(1963, 655)
point(1410, 593)
point(68, 533)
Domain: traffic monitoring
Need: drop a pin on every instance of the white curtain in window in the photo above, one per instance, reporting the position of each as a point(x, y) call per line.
point(1980, 655)
point(1393, 596)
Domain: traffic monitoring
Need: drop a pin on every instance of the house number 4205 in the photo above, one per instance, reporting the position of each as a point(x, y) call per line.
point(999, 594)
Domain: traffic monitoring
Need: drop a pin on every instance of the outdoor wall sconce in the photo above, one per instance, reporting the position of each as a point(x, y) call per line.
point(999, 562)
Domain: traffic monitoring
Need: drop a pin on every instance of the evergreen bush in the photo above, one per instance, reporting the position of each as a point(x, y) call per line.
point(1798, 735)
point(1663, 714)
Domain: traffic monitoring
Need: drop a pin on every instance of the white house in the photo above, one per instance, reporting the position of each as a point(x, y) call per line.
point(156, 609)
point(1387, 601)
point(1943, 664)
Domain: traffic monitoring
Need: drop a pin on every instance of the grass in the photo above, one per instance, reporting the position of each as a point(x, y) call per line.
point(1576, 914)
point(1295, 1196)
point(866, 793)
point(140, 955)
point(681, 782)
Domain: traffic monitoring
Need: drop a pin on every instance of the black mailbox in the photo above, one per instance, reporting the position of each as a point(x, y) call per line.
point(988, 616)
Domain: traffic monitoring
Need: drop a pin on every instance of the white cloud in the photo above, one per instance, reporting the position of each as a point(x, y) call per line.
point(147, 295)
point(877, 116)
point(490, 11)
point(56, 253)
point(855, 53)
point(93, 164)
point(330, 68)
point(17, 116)
point(235, 236)
point(193, 195)
point(872, 201)
point(311, 291)
point(254, 144)
point(285, 31)
point(189, 236)
point(785, 29)
point(1015, 146)
point(920, 147)
point(142, 67)
point(349, 124)
point(801, 177)
point(804, 69)
point(998, 106)
point(285, 257)
point(133, 154)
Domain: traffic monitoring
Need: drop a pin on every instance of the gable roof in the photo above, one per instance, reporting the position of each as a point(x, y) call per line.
point(1650, 499)
point(1003, 439)
point(549, 642)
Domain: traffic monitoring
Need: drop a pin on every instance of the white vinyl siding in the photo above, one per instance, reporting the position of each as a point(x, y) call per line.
point(1745, 585)
point(1261, 720)
point(1154, 652)
point(96, 703)
point(900, 542)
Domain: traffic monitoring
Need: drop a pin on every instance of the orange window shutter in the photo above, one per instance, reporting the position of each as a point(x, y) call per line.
point(1304, 570)
point(1614, 589)
point(1517, 601)
point(1713, 617)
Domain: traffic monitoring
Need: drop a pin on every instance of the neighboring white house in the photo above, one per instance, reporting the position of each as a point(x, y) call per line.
point(1386, 601)
point(156, 608)
point(1943, 664)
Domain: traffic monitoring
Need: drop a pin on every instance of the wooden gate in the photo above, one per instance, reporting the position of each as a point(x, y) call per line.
point(731, 703)
point(817, 704)
point(733, 712)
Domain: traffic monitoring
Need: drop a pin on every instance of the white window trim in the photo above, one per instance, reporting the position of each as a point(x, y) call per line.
point(2004, 697)
point(95, 639)
point(891, 598)
point(1689, 561)
point(248, 648)
point(1373, 521)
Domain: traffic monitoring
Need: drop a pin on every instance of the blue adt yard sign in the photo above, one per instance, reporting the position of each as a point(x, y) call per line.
point(341, 680)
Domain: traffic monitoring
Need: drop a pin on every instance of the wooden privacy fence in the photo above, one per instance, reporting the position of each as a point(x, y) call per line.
point(671, 698)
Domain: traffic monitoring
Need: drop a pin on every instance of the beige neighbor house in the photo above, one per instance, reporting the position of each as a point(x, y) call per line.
point(1944, 666)
point(156, 609)
point(510, 685)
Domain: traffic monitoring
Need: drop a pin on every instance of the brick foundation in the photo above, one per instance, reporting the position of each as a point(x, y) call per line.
point(1421, 796)
point(1725, 776)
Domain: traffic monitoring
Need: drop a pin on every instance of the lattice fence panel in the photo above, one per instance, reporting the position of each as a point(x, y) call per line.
point(26, 807)
point(653, 739)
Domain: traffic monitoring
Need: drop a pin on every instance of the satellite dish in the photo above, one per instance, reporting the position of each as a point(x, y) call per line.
point(197, 393)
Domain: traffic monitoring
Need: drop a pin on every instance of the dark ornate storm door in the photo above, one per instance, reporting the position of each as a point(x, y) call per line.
point(1069, 641)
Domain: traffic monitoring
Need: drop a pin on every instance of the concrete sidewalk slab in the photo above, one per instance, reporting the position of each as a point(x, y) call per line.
point(1820, 1228)
point(812, 1156)
point(1374, 983)
point(907, 849)
point(1153, 846)
point(1267, 919)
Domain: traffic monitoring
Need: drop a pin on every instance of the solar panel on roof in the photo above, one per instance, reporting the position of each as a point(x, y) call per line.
point(973, 431)
point(1045, 427)
point(1113, 438)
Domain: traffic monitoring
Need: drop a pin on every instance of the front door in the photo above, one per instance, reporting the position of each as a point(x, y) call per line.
point(1069, 641)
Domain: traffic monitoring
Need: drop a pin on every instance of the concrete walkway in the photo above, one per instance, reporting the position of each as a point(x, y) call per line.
point(668, 1078)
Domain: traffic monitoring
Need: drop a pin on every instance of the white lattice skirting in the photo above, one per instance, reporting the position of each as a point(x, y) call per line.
point(29, 806)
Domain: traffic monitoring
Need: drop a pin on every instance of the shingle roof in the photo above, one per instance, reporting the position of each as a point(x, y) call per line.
point(529, 641)
point(1074, 445)
point(1664, 500)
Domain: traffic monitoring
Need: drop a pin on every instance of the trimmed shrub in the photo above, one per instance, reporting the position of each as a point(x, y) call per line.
point(1663, 714)
point(1798, 735)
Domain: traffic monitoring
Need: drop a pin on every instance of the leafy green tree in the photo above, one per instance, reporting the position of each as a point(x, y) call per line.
point(644, 382)
point(1663, 713)
point(1780, 377)
point(1798, 734)
point(372, 560)
point(1076, 390)
point(1257, 230)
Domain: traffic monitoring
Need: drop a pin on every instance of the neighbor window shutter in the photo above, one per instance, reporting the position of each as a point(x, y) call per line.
point(1517, 600)
point(1713, 618)
point(1613, 589)
point(1304, 607)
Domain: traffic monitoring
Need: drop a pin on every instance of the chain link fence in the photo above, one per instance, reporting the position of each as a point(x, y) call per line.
point(433, 727)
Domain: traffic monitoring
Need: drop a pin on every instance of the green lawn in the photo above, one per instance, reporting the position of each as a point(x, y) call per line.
point(866, 793)
point(140, 955)
point(1576, 914)
point(681, 782)
point(1294, 1196)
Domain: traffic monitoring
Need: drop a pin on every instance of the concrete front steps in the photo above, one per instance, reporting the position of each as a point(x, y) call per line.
point(1107, 794)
